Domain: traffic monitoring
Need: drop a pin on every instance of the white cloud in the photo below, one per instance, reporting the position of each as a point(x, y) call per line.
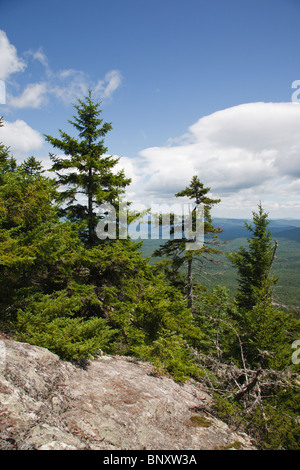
point(105, 88)
point(20, 137)
point(34, 96)
point(40, 56)
point(69, 84)
point(9, 61)
point(2, 92)
point(66, 85)
point(246, 153)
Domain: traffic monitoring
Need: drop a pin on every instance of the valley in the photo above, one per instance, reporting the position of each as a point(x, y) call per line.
point(286, 266)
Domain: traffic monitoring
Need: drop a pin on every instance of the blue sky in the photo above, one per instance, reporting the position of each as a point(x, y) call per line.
point(194, 87)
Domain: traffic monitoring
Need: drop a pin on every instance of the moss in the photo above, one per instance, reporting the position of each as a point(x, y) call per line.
point(199, 421)
point(235, 445)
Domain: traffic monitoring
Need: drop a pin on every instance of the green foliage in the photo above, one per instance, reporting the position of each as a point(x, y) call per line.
point(138, 303)
point(66, 291)
point(268, 333)
point(273, 426)
point(7, 162)
point(60, 294)
point(255, 261)
point(28, 232)
point(228, 410)
point(216, 313)
point(170, 353)
point(52, 322)
point(265, 331)
point(281, 430)
point(180, 264)
point(86, 170)
point(40, 256)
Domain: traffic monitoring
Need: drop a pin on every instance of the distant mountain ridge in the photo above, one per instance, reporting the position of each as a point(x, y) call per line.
point(290, 234)
point(286, 266)
point(235, 228)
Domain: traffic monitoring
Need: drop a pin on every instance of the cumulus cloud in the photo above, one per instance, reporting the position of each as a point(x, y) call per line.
point(73, 84)
point(244, 153)
point(33, 96)
point(9, 61)
point(112, 81)
point(40, 56)
point(65, 85)
point(2, 92)
point(20, 137)
point(68, 85)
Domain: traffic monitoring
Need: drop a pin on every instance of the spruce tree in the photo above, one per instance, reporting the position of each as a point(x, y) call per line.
point(266, 332)
point(28, 221)
point(175, 250)
point(86, 171)
point(7, 162)
point(31, 166)
point(254, 262)
point(43, 299)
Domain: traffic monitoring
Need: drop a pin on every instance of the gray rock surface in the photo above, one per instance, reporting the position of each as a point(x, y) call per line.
point(114, 404)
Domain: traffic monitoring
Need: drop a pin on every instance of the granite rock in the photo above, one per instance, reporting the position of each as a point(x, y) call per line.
point(114, 403)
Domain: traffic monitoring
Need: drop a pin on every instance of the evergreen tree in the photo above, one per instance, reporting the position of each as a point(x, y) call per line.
point(7, 162)
point(73, 299)
point(266, 332)
point(87, 171)
point(44, 299)
point(254, 262)
point(29, 228)
point(174, 250)
point(31, 166)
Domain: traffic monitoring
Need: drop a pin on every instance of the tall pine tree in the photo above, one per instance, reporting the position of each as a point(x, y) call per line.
point(255, 261)
point(175, 250)
point(86, 173)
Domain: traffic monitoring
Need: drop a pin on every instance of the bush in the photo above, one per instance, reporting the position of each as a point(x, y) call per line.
point(170, 353)
point(50, 323)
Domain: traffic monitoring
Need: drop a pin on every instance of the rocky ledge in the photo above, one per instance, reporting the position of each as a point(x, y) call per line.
point(115, 403)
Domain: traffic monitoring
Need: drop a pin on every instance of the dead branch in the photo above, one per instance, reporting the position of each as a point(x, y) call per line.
point(239, 340)
point(249, 386)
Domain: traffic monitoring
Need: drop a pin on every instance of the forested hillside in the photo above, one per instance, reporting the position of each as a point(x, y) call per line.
point(286, 265)
point(64, 289)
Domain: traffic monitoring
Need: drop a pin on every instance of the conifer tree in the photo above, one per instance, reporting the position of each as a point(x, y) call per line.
point(31, 166)
point(175, 249)
point(86, 171)
point(27, 221)
point(265, 331)
point(254, 262)
point(7, 162)
point(43, 299)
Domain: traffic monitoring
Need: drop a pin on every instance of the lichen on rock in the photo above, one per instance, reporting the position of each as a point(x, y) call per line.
point(115, 403)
